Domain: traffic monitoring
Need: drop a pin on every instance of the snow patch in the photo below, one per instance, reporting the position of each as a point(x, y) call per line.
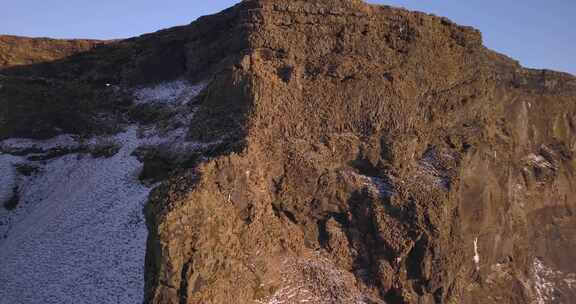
point(312, 280)
point(377, 186)
point(178, 92)
point(544, 288)
point(431, 170)
point(476, 255)
point(539, 161)
point(549, 283)
point(290, 294)
point(79, 236)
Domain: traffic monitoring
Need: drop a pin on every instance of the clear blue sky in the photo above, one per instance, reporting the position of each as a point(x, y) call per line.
point(540, 34)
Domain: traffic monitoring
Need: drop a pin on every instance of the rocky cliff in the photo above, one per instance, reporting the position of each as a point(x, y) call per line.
point(343, 153)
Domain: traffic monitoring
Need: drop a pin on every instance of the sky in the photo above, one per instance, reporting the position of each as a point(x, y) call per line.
point(540, 34)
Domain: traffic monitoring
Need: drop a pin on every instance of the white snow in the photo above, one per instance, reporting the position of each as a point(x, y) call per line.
point(176, 92)
point(430, 170)
point(539, 161)
point(542, 284)
point(377, 186)
point(476, 255)
point(287, 294)
point(80, 237)
point(311, 280)
point(78, 234)
point(61, 141)
point(548, 281)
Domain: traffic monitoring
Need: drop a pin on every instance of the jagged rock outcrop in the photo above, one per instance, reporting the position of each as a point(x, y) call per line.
point(358, 154)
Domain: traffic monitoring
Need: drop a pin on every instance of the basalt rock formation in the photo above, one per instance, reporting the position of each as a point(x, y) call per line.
point(356, 154)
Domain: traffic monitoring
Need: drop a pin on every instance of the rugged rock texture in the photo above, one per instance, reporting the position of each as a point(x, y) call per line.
point(386, 156)
point(365, 154)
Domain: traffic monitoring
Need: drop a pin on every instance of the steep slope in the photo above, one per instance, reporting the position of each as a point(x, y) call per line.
point(71, 222)
point(323, 151)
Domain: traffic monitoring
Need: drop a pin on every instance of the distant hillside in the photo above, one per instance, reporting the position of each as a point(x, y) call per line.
point(16, 50)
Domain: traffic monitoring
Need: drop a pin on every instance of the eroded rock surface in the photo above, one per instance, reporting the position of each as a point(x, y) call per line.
point(335, 152)
point(386, 152)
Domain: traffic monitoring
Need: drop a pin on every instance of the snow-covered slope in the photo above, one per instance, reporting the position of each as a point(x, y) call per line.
point(172, 93)
point(77, 234)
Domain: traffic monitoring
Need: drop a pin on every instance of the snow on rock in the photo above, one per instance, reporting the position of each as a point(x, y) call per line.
point(16, 144)
point(176, 92)
point(377, 186)
point(78, 234)
point(431, 171)
point(476, 255)
point(542, 284)
point(548, 282)
point(312, 280)
point(9, 180)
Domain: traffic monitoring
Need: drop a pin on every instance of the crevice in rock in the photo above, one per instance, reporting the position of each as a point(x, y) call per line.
point(184, 277)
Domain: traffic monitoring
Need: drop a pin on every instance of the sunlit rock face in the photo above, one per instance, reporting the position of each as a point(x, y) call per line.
point(290, 152)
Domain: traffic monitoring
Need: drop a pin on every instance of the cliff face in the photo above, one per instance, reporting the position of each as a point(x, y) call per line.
point(387, 156)
point(350, 153)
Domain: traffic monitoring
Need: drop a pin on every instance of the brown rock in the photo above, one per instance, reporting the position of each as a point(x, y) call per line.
point(391, 143)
